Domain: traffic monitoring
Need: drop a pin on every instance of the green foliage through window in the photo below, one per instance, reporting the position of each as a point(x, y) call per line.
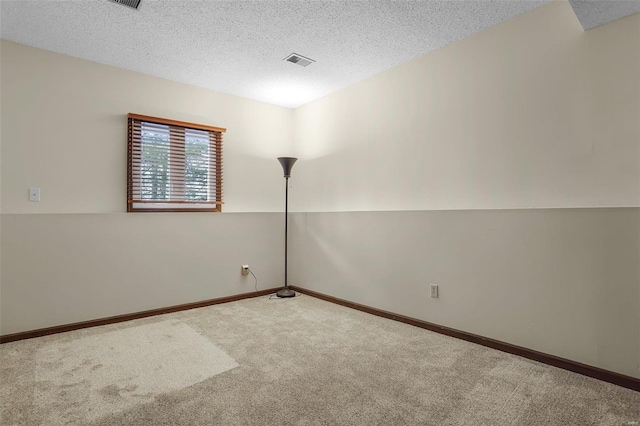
point(173, 167)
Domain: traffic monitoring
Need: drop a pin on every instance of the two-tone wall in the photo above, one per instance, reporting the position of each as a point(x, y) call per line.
point(503, 168)
point(76, 255)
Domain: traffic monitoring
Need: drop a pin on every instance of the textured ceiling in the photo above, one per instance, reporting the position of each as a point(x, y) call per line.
point(238, 47)
point(593, 13)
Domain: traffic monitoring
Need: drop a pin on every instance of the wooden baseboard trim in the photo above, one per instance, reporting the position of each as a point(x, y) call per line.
point(566, 364)
point(127, 317)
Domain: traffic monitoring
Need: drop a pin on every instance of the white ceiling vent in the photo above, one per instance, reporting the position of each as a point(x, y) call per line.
point(131, 3)
point(294, 58)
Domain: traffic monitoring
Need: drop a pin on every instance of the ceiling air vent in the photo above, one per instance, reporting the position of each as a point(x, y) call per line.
point(294, 58)
point(131, 3)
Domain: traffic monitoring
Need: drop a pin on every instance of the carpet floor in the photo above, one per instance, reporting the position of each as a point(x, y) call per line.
point(300, 361)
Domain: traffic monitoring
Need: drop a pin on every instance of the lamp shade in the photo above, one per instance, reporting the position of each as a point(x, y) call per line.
point(287, 165)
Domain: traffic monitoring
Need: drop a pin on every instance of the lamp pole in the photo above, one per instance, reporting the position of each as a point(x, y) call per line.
point(286, 231)
point(287, 164)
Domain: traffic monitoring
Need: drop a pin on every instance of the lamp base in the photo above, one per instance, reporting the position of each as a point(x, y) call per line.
point(286, 292)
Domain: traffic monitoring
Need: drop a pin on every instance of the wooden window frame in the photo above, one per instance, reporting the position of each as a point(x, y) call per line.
point(215, 172)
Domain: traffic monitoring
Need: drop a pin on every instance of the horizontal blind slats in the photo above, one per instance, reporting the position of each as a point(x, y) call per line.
point(174, 202)
point(169, 164)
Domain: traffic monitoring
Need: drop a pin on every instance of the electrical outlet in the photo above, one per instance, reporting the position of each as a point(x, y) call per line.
point(245, 269)
point(34, 194)
point(434, 291)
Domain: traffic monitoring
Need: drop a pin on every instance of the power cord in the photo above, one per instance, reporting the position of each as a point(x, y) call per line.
point(271, 296)
point(254, 277)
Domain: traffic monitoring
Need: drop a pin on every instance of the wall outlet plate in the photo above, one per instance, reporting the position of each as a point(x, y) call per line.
point(34, 194)
point(434, 291)
point(245, 269)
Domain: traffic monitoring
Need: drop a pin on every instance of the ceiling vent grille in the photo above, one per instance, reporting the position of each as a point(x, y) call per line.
point(294, 58)
point(131, 3)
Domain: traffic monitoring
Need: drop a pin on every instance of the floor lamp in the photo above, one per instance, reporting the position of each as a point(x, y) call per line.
point(287, 164)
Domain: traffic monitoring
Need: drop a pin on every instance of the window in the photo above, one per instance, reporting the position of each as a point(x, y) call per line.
point(173, 166)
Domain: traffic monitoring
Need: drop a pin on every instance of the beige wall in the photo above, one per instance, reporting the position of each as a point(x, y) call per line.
point(533, 112)
point(65, 268)
point(560, 281)
point(534, 115)
point(64, 130)
point(75, 255)
point(0, 186)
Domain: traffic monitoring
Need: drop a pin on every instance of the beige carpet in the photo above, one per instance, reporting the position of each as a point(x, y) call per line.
point(299, 361)
point(107, 373)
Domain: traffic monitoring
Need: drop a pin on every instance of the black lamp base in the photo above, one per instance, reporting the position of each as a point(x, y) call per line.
point(286, 292)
